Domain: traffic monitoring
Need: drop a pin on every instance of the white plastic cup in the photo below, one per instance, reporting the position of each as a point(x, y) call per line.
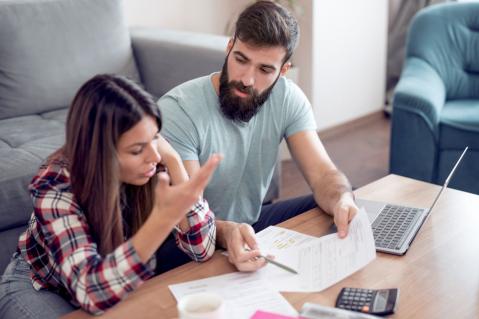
point(203, 305)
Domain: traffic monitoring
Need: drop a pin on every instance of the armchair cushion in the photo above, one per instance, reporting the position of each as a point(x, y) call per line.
point(50, 47)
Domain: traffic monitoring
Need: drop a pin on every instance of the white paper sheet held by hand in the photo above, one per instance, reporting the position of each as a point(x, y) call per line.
point(243, 294)
point(323, 261)
point(275, 240)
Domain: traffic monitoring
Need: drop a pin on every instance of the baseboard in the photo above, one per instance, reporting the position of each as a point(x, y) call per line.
point(337, 130)
point(351, 125)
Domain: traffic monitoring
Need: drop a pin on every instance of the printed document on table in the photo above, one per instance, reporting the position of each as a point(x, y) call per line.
point(320, 262)
point(243, 294)
point(277, 240)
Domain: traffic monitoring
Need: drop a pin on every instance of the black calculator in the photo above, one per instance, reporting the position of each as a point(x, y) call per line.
point(380, 302)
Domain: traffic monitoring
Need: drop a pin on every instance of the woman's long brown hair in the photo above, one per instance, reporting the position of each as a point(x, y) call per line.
point(104, 108)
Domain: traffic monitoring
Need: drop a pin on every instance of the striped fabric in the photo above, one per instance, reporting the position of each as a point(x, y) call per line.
point(65, 259)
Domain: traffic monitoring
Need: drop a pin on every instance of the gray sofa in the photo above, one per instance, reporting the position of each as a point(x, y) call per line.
point(48, 48)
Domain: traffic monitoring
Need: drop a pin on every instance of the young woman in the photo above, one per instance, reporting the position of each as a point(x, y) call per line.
point(101, 209)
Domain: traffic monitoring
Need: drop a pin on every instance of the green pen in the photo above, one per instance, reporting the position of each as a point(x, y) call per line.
point(277, 264)
point(280, 265)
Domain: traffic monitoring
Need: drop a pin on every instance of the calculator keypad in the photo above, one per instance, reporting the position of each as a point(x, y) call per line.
point(356, 299)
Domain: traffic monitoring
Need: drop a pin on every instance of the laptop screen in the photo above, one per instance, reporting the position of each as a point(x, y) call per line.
point(446, 182)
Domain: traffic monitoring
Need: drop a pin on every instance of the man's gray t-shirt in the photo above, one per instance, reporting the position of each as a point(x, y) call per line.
point(196, 128)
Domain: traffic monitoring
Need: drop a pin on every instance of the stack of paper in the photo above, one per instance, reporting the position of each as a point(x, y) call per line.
point(243, 293)
point(320, 263)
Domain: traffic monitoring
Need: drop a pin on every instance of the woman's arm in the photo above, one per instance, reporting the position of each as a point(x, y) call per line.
point(195, 234)
point(98, 282)
point(95, 282)
point(199, 242)
point(176, 170)
point(172, 204)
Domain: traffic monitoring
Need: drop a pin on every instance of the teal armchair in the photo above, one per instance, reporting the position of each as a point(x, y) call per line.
point(436, 102)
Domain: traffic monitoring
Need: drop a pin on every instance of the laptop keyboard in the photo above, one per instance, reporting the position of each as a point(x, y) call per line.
point(391, 227)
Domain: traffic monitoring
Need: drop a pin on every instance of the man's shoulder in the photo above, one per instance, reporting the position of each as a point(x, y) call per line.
point(287, 96)
point(192, 97)
point(286, 88)
point(189, 89)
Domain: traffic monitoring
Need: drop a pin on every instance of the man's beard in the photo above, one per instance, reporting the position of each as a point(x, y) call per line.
point(236, 108)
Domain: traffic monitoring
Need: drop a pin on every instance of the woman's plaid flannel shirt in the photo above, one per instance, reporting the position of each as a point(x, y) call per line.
point(64, 258)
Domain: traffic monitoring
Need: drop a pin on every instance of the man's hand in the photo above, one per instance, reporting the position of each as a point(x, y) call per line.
point(344, 211)
point(240, 242)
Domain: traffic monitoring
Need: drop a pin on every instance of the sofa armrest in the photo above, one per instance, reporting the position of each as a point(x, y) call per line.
point(166, 58)
point(418, 100)
point(421, 91)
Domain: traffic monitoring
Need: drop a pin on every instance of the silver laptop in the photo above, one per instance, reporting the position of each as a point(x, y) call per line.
point(395, 226)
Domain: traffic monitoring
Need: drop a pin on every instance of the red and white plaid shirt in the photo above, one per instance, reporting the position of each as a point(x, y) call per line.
point(64, 258)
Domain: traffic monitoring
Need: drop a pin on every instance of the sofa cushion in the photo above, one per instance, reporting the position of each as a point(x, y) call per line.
point(9, 240)
point(48, 48)
point(24, 143)
point(459, 125)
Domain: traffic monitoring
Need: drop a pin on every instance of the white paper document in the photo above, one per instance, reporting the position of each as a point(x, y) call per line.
point(243, 293)
point(320, 262)
point(276, 240)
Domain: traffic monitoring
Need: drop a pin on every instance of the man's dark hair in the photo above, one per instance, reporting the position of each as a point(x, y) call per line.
point(266, 23)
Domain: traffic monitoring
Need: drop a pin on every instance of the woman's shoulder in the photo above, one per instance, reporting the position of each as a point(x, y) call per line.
point(51, 191)
point(53, 174)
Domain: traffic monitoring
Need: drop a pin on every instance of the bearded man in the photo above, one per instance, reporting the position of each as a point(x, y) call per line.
point(244, 112)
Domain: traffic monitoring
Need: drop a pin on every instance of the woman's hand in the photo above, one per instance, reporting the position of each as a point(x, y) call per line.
point(166, 151)
point(172, 161)
point(172, 202)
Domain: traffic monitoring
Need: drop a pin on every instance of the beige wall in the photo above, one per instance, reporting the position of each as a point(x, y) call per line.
point(341, 55)
point(349, 59)
point(209, 16)
point(215, 16)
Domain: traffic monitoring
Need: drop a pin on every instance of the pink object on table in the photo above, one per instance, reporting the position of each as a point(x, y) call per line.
point(269, 315)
